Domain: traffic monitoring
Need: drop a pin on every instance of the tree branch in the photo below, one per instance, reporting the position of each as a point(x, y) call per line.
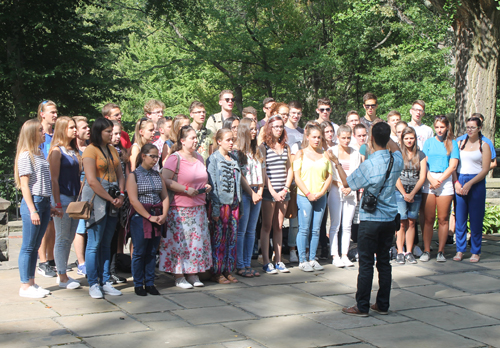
point(382, 42)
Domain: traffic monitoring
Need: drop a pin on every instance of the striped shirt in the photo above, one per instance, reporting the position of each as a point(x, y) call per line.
point(276, 167)
point(148, 185)
point(39, 173)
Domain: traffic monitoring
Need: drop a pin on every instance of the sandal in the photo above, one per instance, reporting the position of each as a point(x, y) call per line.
point(459, 256)
point(231, 278)
point(219, 278)
point(475, 258)
point(253, 272)
point(244, 272)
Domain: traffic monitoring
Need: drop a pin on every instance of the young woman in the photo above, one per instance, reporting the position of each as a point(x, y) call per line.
point(149, 200)
point(64, 162)
point(470, 188)
point(442, 160)
point(408, 193)
point(225, 177)
point(328, 133)
point(32, 176)
point(178, 122)
point(400, 127)
point(313, 175)
point(275, 196)
point(232, 123)
point(251, 161)
point(144, 134)
point(186, 248)
point(104, 184)
point(342, 201)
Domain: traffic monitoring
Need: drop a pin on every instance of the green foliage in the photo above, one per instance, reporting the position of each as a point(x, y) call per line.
point(491, 222)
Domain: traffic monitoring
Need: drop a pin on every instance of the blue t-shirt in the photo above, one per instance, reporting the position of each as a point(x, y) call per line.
point(486, 140)
point(45, 146)
point(437, 156)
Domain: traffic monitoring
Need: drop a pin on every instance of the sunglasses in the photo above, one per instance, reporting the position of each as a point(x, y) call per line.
point(325, 109)
point(370, 106)
point(229, 99)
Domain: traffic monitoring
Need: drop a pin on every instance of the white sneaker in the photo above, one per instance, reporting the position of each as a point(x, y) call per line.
point(194, 280)
point(182, 283)
point(71, 284)
point(337, 261)
point(306, 267)
point(316, 266)
point(95, 291)
point(31, 292)
point(293, 256)
point(346, 261)
point(42, 290)
point(280, 266)
point(110, 290)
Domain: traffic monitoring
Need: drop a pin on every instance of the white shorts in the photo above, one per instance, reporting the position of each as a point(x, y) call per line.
point(446, 188)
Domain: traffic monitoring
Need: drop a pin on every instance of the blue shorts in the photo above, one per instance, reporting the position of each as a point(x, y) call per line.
point(408, 210)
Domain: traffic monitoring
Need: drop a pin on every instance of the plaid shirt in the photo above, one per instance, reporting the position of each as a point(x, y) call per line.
point(149, 185)
point(370, 175)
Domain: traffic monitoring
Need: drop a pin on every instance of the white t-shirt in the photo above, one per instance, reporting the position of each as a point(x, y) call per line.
point(424, 132)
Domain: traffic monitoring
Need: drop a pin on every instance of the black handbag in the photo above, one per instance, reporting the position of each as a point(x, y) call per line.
point(369, 203)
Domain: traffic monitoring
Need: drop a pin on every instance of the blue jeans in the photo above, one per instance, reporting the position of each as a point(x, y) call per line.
point(32, 236)
point(97, 254)
point(144, 256)
point(408, 210)
point(246, 230)
point(65, 234)
point(310, 216)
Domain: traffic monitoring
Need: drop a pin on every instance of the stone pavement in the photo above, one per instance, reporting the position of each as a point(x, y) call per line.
point(453, 304)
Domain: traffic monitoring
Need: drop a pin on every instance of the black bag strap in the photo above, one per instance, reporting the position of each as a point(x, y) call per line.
point(391, 162)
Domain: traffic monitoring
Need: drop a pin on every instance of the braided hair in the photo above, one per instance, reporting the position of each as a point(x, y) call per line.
point(479, 124)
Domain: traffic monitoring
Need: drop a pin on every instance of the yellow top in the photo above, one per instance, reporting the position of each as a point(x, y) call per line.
point(312, 173)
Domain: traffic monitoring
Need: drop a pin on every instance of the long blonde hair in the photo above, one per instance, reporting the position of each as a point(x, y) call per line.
point(29, 140)
point(60, 137)
point(141, 124)
point(42, 106)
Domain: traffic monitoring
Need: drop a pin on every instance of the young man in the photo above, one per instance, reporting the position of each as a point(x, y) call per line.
point(205, 136)
point(153, 109)
point(164, 126)
point(250, 112)
point(293, 132)
point(370, 105)
point(376, 229)
point(267, 104)
point(226, 101)
point(393, 117)
point(112, 112)
point(324, 109)
point(423, 131)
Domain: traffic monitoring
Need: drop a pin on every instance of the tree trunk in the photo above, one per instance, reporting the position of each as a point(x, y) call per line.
point(477, 53)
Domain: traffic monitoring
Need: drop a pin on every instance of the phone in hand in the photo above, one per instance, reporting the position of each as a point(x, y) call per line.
point(202, 190)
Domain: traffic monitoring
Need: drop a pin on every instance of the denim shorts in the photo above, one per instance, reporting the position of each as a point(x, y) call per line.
point(267, 196)
point(408, 210)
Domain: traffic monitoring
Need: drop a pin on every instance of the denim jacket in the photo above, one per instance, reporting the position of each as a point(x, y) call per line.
point(222, 175)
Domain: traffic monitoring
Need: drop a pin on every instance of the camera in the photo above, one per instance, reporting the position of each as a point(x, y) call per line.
point(369, 203)
point(114, 191)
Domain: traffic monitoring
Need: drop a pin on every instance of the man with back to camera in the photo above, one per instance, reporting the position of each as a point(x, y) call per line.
point(376, 229)
point(226, 102)
point(370, 104)
point(324, 110)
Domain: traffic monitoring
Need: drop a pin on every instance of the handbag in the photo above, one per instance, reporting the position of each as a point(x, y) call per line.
point(80, 210)
point(369, 203)
point(292, 208)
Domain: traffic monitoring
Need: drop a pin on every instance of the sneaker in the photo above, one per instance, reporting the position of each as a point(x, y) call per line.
point(440, 257)
point(52, 263)
point(95, 291)
point(82, 270)
point(316, 266)
point(410, 258)
point(182, 283)
point(337, 262)
point(71, 284)
point(42, 290)
point(425, 256)
point(31, 292)
point(345, 260)
point(280, 266)
point(110, 290)
point(116, 279)
point(194, 280)
point(400, 258)
point(293, 256)
point(306, 267)
point(46, 270)
point(269, 269)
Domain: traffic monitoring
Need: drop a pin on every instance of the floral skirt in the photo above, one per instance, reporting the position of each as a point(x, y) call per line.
point(223, 235)
point(186, 249)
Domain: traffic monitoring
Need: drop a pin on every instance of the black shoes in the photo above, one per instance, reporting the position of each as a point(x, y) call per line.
point(152, 290)
point(140, 291)
point(116, 279)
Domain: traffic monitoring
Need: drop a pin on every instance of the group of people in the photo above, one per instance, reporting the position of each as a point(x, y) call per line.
point(204, 193)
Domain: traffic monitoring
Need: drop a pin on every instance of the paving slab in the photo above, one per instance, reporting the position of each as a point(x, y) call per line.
point(294, 332)
point(324, 288)
point(295, 276)
point(487, 257)
point(489, 265)
point(9, 327)
point(339, 321)
point(101, 324)
point(195, 300)
point(132, 303)
point(79, 305)
point(403, 299)
point(165, 326)
point(342, 300)
point(486, 304)
point(42, 338)
point(410, 335)
point(437, 291)
point(472, 282)
point(489, 335)
point(450, 317)
point(212, 315)
point(360, 345)
point(274, 300)
point(156, 316)
point(180, 337)
point(25, 310)
point(242, 344)
point(449, 266)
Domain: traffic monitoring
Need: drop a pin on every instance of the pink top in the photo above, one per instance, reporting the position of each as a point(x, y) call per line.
point(193, 174)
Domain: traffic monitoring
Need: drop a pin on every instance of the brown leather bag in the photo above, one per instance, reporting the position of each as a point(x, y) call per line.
point(80, 209)
point(292, 208)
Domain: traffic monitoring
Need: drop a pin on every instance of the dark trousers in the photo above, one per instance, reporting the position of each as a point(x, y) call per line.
point(374, 237)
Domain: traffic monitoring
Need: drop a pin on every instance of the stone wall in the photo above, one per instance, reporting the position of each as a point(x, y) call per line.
point(4, 230)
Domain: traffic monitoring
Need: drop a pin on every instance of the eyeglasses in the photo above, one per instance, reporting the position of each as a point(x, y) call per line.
point(200, 112)
point(418, 110)
point(152, 156)
point(229, 99)
point(283, 115)
point(471, 128)
point(325, 110)
point(278, 127)
point(370, 106)
point(168, 118)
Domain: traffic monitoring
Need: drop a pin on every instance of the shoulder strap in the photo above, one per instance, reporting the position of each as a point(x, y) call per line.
point(389, 168)
point(174, 178)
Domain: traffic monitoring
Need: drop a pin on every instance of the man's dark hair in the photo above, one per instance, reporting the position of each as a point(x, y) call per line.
point(267, 100)
point(324, 101)
point(369, 96)
point(295, 104)
point(381, 133)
